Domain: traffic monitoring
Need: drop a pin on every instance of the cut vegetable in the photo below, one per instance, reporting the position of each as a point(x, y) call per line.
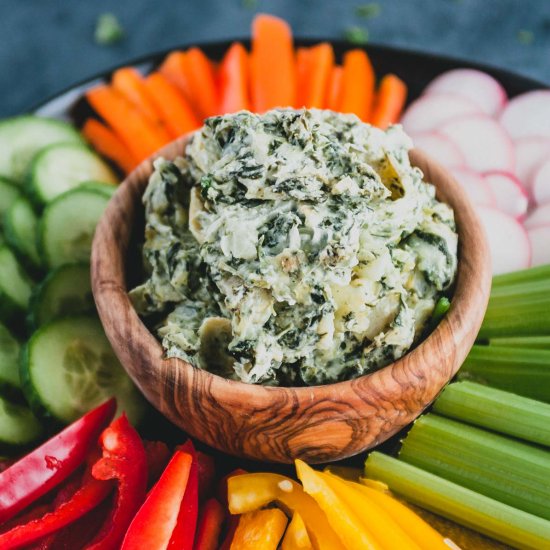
point(60, 168)
point(203, 94)
point(9, 192)
point(522, 277)
point(477, 189)
point(173, 68)
point(334, 93)
point(540, 183)
point(15, 286)
point(68, 367)
point(539, 216)
point(482, 141)
point(429, 112)
point(440, 149)
point(539, 237)
point(528, 342)
point(20, 227)
point(9, 363)
point(530, 154)
point(260, 530)
point(18, 426)
point(510, 196)
point(22, 137)
point(358, 80)
point(478, 512)
point(527, 115)
point(496, 410)
point(476, 86)
point(316, 65)
point(390, 101)
point(68, 224)
point(65, 291)
point(502, 228)
point(234, 80)
point(296, 537)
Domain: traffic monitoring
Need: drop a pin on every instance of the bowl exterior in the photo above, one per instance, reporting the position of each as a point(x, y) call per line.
point(316, 424)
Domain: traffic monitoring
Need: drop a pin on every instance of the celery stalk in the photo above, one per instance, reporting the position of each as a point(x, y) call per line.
point(464, 506)
point(523, 276)
point(527, 342)
point(507, 470)
point(497, 410)
point(522, 371)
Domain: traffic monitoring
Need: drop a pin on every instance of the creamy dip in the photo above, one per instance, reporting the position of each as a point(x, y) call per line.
point(294, 247)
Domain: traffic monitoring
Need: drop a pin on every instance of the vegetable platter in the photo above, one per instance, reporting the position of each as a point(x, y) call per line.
point(77, 474)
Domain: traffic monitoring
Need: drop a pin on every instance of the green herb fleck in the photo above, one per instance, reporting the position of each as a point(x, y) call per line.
point(525, 37)
point(368, 11)
point(249, 4)
point(356, 35)
point(108, 30)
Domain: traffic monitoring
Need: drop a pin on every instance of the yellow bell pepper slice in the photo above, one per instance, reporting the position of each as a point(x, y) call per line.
point(296, 537)
point(342, 518)
point(248, 492)
point(260, 530)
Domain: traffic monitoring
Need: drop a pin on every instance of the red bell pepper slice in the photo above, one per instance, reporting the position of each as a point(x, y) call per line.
point(124, 460)
point(158, 456)
point(207, 475)
point(48, 465)
point(153, 525)
point(209, 527)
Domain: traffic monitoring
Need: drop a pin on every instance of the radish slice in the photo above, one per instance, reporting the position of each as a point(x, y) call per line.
point(528, 115)
point(439, 148)
point(475, 186)
point(509, 195)
point(539, 216)
point(508, 240)
point(429, 112)
point(476, 86)
point(540, 186)
point(531, 152)
point(484, 144)
point(540, 244)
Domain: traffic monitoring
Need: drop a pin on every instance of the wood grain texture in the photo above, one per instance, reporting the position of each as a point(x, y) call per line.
point(317, 424)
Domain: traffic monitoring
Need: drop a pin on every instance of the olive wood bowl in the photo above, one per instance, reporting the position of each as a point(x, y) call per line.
point(279, 424)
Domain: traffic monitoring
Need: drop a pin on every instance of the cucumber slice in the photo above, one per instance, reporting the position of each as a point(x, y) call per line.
point(20, 228)
point(66, 290)
point(69, 367)
point(9, 192)
point(15, 285)
point(9, 362)
point(62, 167)
point(22, 137)
point(67, 227)
point(18, 426)
point(106, 188)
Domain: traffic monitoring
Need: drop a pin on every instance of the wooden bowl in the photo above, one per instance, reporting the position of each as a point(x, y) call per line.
point(317, 424)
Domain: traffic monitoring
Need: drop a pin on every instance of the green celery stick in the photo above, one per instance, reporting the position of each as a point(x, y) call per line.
point(527, 342)
point(523, 276)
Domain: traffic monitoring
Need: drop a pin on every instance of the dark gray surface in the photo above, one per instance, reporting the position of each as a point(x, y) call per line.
point(46, 45)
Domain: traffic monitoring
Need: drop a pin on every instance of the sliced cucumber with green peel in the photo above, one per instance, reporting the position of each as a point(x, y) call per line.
point(66, 290)
point(10, 382)
point(18, 426)
point(67, 227)
point(20, 228)
point(9, 192)
point(68, 367)
point(15, 285)
point(106, 188)
point(23, 136)
point(64, 166)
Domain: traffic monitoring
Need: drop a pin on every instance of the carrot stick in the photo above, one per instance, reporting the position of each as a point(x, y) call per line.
point(273, 67)
point(390, 100)
point(303, 71)
point(358, 84)
point(131, 85)
point(334, 95)
point(173, 68)
point(141, 136)
point(233, 80)
point(203, 94)
point(321, 63)
point(174, 109)
point(106, 142)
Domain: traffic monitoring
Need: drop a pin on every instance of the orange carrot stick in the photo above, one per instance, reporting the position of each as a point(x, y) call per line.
point(303, 73)
point(202, 84)
point(131, 85)
point(321, 63)
point(141, 136)
point(358, 84)
point(390, 100)
point(234, 79)
point(174, 109)
point(173, 68)
point(106, 142)
point(273, 67)
point(334, 94)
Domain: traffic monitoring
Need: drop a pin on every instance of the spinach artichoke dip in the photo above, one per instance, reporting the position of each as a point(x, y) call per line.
point(294, 247)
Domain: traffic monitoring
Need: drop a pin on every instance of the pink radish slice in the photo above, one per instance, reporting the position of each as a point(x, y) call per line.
point(475, 186)
point(439, 148)
point(540, 186)
point(485, 145)
point(429, 112)
point(508, 240)
point(528, 115)
point(540, 244)
point(539, 216)
point(509, 195)
point(476, 86)
point(530, 154)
